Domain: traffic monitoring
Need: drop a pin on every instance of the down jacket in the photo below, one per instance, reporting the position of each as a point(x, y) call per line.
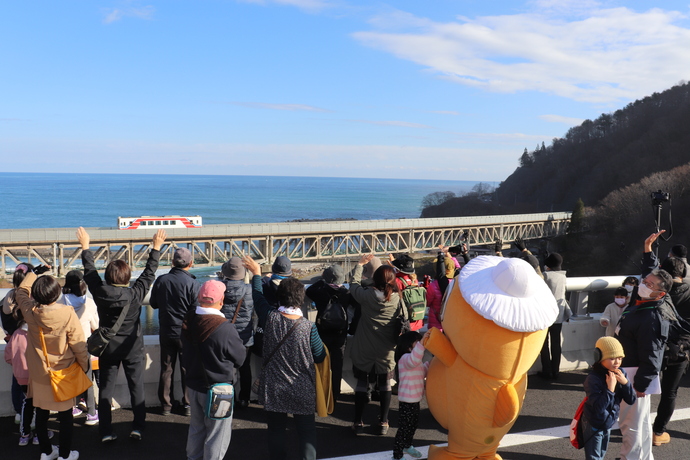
point(234, 291)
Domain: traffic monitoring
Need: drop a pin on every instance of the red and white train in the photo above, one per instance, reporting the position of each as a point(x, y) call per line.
point(144, 222)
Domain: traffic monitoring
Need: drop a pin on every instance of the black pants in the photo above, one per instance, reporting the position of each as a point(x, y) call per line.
point(306, 431)
point(551, 362)
point(27, 413)
point(336, 347)
point(171, 350)
point(670, 380)
point(365, 381)
point(66, 420)
point(408, 419)
point(245, 372)
point(133, 365)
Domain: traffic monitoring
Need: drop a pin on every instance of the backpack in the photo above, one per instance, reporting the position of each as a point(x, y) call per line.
point(415, 300)
point(678, 343)
point(576, 435)
point(333, 317)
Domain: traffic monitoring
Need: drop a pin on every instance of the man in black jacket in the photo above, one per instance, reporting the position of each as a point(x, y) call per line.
point(643, 330)
point(212, 350)
point(173, 294)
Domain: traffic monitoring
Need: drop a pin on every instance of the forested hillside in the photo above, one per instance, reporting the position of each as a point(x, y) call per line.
point(613, 164)
point(600, 156)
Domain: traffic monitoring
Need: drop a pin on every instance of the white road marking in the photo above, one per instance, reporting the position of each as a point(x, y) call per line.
point(509, 440)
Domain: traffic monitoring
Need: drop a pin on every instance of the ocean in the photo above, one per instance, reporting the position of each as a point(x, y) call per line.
point(41, 200)
point(44, 200)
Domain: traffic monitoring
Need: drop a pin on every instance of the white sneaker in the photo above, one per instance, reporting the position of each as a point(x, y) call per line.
point(73, 455)
point(51, 456)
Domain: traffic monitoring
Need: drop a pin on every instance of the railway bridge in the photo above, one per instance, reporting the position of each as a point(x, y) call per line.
point(300, 241)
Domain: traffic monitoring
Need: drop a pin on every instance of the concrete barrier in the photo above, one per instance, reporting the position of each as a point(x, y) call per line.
point(578, 338)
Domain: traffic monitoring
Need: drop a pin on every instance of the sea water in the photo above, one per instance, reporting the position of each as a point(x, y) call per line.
point(41, 200)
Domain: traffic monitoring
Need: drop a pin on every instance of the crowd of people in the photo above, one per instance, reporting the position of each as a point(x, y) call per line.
point(210, 331)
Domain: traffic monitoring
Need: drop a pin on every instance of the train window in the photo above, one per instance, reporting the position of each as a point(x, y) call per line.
point(158, 222)
point(165, 222)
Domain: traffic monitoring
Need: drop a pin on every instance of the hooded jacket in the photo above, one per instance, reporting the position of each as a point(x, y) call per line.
point(211, 350)
point(64, 340)
point(234, 291)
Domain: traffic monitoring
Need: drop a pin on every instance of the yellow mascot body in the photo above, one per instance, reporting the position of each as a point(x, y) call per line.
point(494, 319)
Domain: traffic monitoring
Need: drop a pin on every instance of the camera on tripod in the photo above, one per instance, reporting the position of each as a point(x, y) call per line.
point(659, 197)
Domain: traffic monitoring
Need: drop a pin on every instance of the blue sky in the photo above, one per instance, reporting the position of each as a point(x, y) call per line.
point(448, 89)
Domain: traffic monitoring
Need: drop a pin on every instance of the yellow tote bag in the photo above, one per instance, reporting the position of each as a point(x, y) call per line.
point(67, 383)
point(324, 389)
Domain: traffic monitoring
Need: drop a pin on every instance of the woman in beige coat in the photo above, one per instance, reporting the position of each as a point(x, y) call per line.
point(65, 343)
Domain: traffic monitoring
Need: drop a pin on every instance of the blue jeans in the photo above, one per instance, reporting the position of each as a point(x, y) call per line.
point(595, 447)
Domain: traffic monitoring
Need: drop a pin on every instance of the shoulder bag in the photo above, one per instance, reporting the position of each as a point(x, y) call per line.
point(66, 383)
point(220, 399)
point(101, 337)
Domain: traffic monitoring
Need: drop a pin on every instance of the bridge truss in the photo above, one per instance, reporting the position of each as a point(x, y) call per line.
point(212, 245)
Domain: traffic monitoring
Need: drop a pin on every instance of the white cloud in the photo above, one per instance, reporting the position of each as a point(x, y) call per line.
point(561, 119)
point(607, 56)
point(289, 107)
point(116, 14)
point(402, 124)
point(308, 5)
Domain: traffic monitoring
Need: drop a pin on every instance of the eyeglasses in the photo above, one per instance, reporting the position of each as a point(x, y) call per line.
point(650, 285)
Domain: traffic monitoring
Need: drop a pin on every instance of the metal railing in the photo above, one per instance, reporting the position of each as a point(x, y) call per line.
point(212, 245)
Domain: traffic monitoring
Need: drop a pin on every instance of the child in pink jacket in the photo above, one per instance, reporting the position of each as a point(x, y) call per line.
point(15, 355)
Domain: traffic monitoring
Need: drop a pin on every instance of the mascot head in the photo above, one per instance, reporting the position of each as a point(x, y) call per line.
point(496, 314)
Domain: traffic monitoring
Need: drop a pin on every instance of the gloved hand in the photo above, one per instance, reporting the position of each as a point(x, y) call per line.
point(42, 269)
point(520, 244)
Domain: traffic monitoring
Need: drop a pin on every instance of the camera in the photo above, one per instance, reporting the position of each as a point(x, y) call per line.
point(659, 197)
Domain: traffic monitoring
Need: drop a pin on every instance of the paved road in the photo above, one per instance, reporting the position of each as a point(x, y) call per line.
point(548, 408)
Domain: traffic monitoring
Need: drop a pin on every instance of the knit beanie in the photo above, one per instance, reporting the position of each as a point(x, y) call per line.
point(610, 348)
point(554, 261)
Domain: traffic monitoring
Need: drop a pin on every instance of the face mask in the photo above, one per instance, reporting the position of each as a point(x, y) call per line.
point(620, 301)
point(629, 288)
point(644, 292)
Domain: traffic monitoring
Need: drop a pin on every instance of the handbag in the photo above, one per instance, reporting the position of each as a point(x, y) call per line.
point(100, 338)
point(66, 383)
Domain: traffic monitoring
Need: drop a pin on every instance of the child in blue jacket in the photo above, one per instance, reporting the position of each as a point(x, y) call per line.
point(606, 386)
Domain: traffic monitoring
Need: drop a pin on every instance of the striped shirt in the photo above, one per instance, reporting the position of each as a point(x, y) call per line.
point(412, 373)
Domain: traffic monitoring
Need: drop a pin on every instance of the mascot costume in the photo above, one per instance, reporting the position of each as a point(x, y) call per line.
point(495, 318)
